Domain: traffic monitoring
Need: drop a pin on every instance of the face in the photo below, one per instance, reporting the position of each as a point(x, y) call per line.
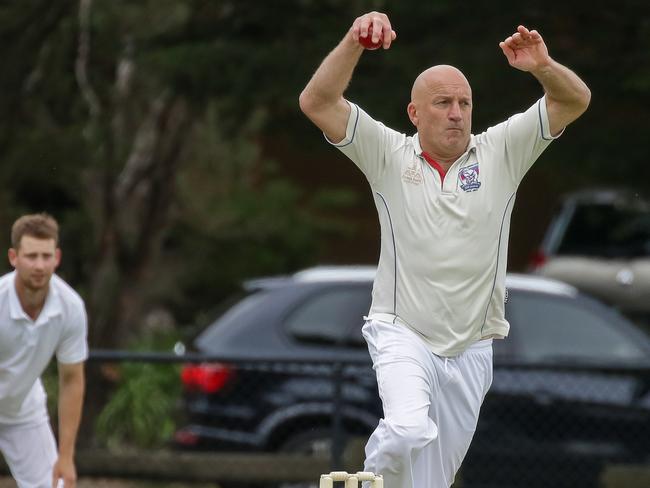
point(441, 109)
point(35, 261)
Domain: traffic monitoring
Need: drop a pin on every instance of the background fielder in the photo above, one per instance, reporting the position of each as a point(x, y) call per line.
point(40, 316)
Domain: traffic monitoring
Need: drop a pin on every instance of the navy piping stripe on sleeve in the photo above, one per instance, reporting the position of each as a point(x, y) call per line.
point(392, 234)
point(496, 267)
point(354, 131)
point(541, 123)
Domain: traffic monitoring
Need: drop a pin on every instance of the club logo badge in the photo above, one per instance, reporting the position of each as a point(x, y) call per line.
point(468, 178)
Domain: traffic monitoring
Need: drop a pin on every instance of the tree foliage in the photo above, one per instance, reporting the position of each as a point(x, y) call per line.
point(165, 134)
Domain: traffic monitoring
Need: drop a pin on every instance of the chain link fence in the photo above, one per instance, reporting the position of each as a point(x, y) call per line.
point(271, 422)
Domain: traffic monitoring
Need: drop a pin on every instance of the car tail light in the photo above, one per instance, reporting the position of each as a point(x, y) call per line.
point(186, 437)
point(537, 260)
point(206, 377)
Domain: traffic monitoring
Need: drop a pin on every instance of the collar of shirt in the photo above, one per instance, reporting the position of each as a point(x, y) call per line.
point(418, 148)
point(435, 165)
point(51, 307)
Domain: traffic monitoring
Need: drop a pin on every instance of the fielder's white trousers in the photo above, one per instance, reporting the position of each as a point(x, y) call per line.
point(431, 406)
point(30, 452)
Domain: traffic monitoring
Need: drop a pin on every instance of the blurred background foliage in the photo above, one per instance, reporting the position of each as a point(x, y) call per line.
point(142, 410)
point(166, 137)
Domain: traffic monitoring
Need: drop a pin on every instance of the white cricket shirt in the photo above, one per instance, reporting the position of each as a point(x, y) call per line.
point(27, 346)
point(442, 265)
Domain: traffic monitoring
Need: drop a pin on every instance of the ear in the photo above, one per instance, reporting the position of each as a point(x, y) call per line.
point(413, 113)
point(57, 257)
point(13, 256)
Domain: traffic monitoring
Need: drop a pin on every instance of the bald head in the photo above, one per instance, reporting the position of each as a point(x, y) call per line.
point(440, 75)
point(441, 109)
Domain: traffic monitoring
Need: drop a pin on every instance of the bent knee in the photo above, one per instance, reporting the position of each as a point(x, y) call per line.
point(402, 439)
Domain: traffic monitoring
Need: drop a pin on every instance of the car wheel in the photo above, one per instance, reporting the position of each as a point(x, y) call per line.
point(315, 442)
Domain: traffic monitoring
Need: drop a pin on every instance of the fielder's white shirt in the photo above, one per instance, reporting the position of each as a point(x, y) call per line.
point(27, 346)
point(444, 244)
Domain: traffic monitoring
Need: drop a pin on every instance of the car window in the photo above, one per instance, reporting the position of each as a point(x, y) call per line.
point(546, 327)
point(331, 316)
point(607, 231)
point(239, 312)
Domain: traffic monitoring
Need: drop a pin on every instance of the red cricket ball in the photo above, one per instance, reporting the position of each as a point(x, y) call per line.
point(367, 41)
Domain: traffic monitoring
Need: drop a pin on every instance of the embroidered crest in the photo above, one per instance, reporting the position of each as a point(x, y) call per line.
point(468, 177)
point(412, 174)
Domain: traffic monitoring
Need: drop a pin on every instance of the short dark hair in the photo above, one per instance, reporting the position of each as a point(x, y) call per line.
point(40, 226)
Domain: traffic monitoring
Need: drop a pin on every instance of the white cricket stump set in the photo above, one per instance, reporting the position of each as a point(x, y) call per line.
point(351, 480)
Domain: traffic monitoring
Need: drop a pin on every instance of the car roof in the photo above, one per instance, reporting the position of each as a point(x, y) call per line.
point(336, 273)
point(316, 274)
point(525, 282)
point(606, 196)
point(366, 273)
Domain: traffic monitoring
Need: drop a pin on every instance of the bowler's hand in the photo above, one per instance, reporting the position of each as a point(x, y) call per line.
point(526, 50)
point(64, 470)
point(381, 28)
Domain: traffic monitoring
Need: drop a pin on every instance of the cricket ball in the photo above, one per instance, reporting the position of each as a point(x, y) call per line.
point(367, 43)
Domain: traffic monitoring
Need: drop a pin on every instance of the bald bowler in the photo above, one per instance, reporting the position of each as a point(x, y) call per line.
point(444, 198)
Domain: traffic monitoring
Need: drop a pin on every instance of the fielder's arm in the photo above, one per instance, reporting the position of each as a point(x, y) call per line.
point(71, 393)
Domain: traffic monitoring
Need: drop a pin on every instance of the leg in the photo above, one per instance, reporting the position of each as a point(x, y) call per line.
point(431, 407)
point(458, 407)
point(405, 383)
point(30, 452)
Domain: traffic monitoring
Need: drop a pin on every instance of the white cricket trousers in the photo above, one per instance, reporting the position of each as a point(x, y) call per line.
point(30, 452)
point(431, 406)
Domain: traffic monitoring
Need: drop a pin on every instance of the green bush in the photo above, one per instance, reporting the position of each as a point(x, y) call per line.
point(140, 412)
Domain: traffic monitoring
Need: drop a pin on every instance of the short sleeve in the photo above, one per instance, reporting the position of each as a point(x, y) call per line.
point(522, 139)
point(73, 347)
point(367, 142)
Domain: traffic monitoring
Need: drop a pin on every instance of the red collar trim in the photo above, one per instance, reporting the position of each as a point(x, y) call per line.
point(435, 165)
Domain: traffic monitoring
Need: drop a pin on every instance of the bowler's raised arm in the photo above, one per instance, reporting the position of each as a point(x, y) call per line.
point(322, 99)
point(567, 96)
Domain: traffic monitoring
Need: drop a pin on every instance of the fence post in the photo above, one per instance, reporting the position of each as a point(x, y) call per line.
point(338, 433)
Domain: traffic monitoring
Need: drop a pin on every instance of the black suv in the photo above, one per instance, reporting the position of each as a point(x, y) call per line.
point(571, 389)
